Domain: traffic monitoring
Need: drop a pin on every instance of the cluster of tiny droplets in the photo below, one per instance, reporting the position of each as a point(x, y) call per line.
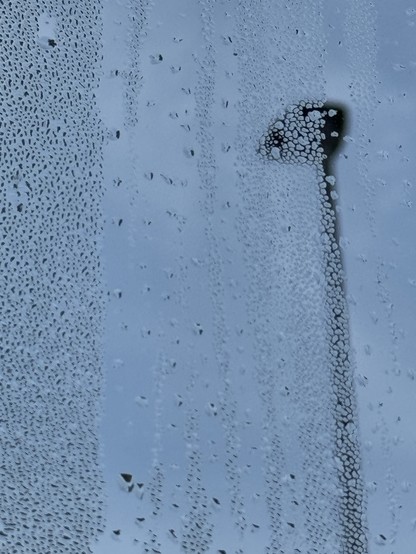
point(51, 301)
point(197, 528)
point(347, 440)
point(297, 138)
point(132, 75)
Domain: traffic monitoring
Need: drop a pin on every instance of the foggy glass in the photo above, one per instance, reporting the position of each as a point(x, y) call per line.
point(208, 277)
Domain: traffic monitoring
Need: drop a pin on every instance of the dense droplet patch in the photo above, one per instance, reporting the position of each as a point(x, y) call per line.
point(297, 137)
point(309, 133)
point(51, 301)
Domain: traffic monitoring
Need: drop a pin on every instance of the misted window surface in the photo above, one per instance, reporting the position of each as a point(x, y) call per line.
point(208, 277)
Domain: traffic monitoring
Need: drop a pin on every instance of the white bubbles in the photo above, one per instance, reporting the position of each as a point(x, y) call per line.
point(316, 115)
point(297, 137)
point(303, 136)
point(275, 153)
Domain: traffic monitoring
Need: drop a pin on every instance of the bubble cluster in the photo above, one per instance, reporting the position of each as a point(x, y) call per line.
point(298, 137)
point(309, 133)
point(347, 445)
point(51, 302)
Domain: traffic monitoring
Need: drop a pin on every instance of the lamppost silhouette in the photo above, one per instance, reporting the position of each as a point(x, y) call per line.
point(310, 133)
